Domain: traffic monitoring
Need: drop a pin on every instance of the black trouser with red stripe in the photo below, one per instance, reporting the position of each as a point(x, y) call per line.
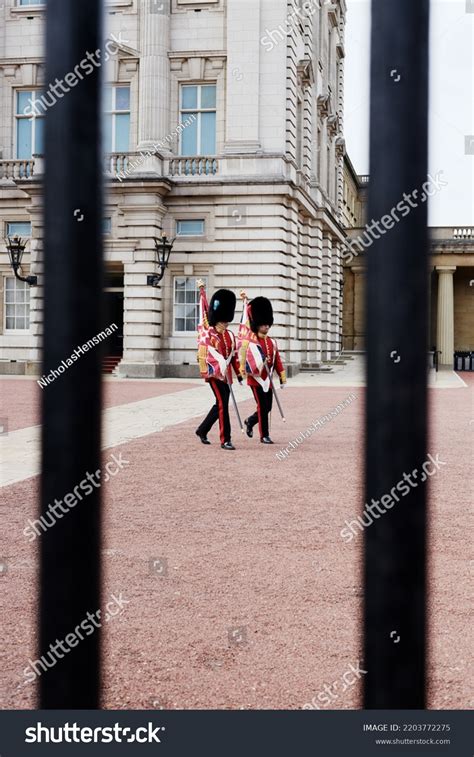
point(218, 411)
point(264, 402)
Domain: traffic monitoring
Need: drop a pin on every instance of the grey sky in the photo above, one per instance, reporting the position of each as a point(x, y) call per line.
point(451, 103)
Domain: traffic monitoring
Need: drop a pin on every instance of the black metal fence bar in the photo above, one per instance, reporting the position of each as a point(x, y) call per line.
point(71, 403)
point(395, 592)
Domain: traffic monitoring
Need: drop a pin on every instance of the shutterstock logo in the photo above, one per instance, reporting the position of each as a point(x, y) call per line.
point(470, 139)
point(159, 6)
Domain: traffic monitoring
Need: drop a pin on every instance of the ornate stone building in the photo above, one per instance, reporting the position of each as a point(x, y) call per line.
point(223, 126)
point(450, 271)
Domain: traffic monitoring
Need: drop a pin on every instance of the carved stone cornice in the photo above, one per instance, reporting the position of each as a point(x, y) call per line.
point(323, 104)
point(340, 147)
point(197, 61)
point(333, 124)
point(332, 14)
point(305, 72)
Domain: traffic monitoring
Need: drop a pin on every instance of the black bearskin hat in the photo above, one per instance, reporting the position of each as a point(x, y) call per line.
point(222, 307)
point(261, 313)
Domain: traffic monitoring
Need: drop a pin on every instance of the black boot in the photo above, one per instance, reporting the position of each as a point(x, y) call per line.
point(266, 440)
point(249, 428)
point(227, 445)
point(202, 437)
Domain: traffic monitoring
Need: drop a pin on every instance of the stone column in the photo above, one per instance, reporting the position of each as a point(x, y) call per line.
point(326, 297)
point(142, 218)
point(316, 288)
point(430, 325)
point(445, 330)
point(36, 268)
point(243, 77)
point(153, 119)
point(359, 306)
point(336, 301)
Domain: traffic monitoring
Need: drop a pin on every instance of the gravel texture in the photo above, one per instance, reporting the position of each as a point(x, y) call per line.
point(241, 592)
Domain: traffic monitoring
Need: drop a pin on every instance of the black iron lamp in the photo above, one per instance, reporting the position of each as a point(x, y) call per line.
point(16, 248)
point(163, 251)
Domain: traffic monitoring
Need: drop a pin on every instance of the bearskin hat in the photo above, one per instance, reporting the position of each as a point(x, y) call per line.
point(261, 313)
point(222, 307)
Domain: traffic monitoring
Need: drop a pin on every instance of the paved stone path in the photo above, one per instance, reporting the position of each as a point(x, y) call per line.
point(20, 450)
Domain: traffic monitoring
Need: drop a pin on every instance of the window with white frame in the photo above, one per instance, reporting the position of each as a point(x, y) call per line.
point(299, 133)
point(17, 305)
point(190, 228)
point(31, 2)
point(319, 157)
point(29, 124)
point(18, 229)
point(185, 304)
point(199, 137)
point(116, 109)
point(328, 170)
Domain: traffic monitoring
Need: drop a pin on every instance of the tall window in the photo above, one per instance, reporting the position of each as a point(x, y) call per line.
point(29, 124)
point(117, 119)
point(17, 305)
point(299, 133)
point(328, 170)
point(319, 157)
point(199, 138)
point(330, 57)
point(186, 304)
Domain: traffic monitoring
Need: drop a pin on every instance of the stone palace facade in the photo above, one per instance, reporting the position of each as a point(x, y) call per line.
point(223, 126)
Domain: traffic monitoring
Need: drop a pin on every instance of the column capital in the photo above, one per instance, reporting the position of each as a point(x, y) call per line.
point(446, 268)
point(358, 268)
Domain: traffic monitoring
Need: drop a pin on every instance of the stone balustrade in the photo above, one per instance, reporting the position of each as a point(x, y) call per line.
point(193, 166)
point(17, 169)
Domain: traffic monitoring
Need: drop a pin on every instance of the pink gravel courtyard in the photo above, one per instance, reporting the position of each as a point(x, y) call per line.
point(258, 600)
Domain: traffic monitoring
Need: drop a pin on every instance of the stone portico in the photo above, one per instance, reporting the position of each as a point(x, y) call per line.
point(451, 292)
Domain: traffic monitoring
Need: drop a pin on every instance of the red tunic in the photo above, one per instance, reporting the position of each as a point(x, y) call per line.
point(272, 355)
point(225, 344)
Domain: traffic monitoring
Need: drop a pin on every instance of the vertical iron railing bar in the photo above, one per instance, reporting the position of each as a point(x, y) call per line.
point(71, 404)
point(396, 415)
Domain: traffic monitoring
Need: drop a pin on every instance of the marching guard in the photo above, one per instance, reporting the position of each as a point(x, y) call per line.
point(259, 359)
point(217, 355)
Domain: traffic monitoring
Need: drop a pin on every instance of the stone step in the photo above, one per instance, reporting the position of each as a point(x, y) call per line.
point(316, 369)
point(109, 364)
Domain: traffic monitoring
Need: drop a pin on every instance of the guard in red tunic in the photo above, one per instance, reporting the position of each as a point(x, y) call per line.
point(217, 356)
point(259, 356)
